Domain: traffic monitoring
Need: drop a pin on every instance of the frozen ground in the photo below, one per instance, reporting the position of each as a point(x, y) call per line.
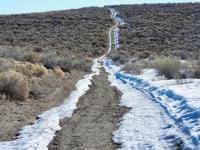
point(146, 126)
point(188, 88)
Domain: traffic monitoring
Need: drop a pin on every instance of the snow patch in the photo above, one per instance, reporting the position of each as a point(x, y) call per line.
point(141, 129)
point(186, 118)
point(119, 22)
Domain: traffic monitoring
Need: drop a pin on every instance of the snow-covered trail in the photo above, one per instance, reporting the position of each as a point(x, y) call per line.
point(185, 118)
point(149, 124)
point(146, 126)
point(118, 22)
point(38, 135)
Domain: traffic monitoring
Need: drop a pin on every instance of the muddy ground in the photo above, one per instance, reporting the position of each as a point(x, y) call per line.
point(92, 124)
point(16, 114)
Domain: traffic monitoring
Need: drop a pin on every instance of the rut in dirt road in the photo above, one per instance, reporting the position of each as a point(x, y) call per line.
point(92, 124)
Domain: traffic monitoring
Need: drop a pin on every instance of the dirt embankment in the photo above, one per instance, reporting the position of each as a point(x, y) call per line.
point(92, 124)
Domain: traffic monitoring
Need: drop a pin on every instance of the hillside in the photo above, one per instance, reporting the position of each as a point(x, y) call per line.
point(42, 56)
point(81, 31)
point(161, 29)
point(119, 77)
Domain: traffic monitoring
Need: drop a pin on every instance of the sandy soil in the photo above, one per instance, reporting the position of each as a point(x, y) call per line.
point(92, 124)
point(16, 114)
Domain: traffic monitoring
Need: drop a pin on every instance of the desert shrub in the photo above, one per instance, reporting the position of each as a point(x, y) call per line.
point(35, 88)
point(5, 65)
point(14, 85)
point(115, 57)
point(185, 70)
point(37, 49)
point(51, 60)
point(14, 53)
point(195, 69)
point(167, 66)
point(122, 60)
point(143, 54)
point(59, 72)
point(23, 68)
point(65, 64)
point(48, 60)
point(87, 67)
point(135, 67)
point(38, 70)
point(81, 64)
point(32, 57)
point(20, 54)
point(118, 58)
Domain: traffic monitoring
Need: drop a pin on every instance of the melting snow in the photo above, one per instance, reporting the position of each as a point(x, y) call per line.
point(188, 88)
point(185, 117)
point(145, 126)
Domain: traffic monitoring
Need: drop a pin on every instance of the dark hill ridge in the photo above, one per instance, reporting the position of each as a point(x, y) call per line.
point(78, 30)
point(161, 29)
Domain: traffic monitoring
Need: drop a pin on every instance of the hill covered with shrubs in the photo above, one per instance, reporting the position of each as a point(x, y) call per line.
point(80, 31)
point(161, 29)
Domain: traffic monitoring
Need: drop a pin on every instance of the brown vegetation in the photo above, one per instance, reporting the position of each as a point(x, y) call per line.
point(168, 66)
point(14, 85)
point(161, 29)
point(136, 67)
point(81, 31)
point(46, 47)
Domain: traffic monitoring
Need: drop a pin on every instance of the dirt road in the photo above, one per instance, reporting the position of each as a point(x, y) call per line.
point(92, 124)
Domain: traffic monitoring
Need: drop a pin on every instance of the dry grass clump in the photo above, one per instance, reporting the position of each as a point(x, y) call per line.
point(14, 85)
point(81, 64)
point(189, 69)
point(51, 61)
point(135, 67)
point(30, 70)
point(35, 88)
point(38, 70)
point(59, 72)
point(5, 65)
point(32, 57)
point(143, 54)
point(118, 58)
point(167, 66)
point(195, 69)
